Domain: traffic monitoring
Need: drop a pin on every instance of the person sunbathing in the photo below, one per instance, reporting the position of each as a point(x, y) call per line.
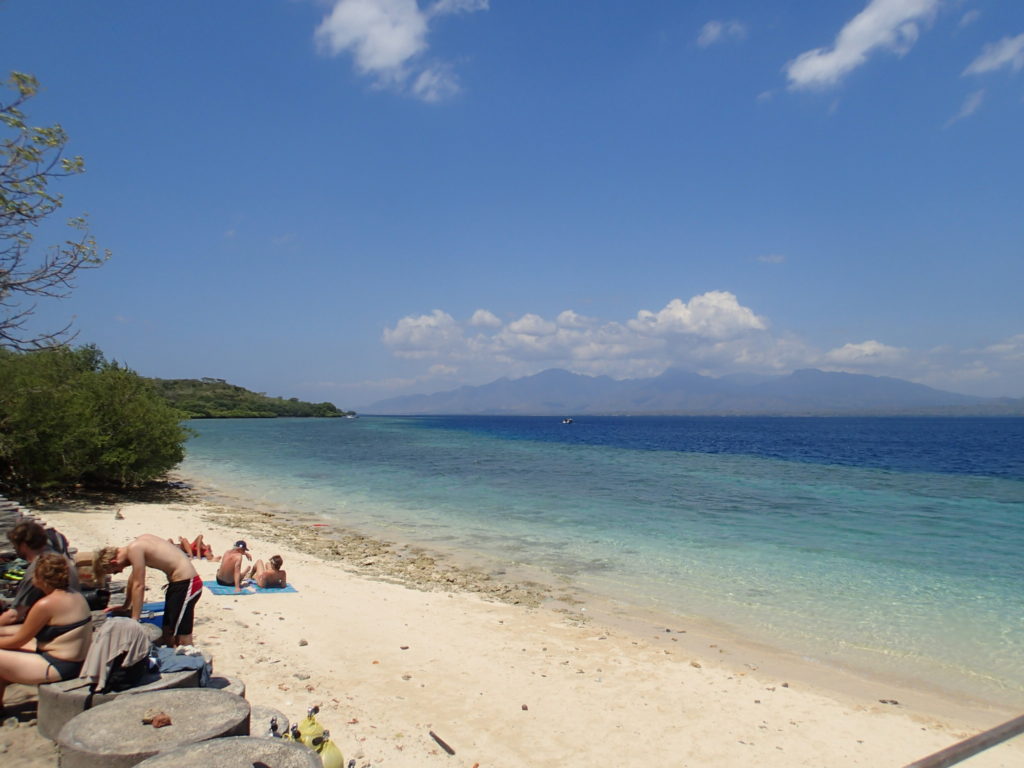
point(271, 577)
point(231, 573)
point(52, 642)
point(196, 549)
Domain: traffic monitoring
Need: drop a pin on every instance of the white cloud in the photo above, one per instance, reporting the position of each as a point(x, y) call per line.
point(387, 40)
point(1008, 52)
point(865, 353)
point(442, 7)
point(532, 325)
point(882, 25)
point(1011, 350)
point(969, 107)
point(716, 314)
point(435, 83)
point(970, 17)
point(711, 333)
point(424, 335)
point(720, 31)
point(569, 319)
point(484, 319)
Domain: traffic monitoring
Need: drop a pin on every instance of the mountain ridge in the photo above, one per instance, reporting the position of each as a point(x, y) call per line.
point(807, 391)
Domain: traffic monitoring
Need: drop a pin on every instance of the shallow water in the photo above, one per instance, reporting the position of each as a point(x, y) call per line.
point(890, 545)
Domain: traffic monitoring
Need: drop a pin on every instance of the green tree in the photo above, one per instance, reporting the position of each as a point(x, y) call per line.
point(30, 158)
point(69, 417)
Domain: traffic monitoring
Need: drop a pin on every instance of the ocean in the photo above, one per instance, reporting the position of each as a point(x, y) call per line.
point(893, 546)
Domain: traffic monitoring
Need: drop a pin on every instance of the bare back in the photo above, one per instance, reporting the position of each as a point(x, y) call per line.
point(153, 552)
point(230, 560)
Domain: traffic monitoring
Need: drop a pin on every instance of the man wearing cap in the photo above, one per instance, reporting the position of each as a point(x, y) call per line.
point(230, 573)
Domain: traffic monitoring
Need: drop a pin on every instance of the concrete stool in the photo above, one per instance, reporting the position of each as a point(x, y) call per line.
point(237, 752)
point(114, 736)
point(229, 684)
point(259, 721)
point(59, 702)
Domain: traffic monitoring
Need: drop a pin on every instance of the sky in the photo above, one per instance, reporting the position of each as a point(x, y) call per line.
point(349, 200)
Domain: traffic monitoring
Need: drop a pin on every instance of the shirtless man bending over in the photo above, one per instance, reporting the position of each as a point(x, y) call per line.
point(183, 583)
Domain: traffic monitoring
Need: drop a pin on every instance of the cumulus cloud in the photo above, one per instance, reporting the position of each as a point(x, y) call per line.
point(891, 25)
point(712, 333)
point(387, 40)
point(424, 335)
point(720, 31)
point(484, 319)
point(532, 325)
point(716, 315)
point(710, 330)
point(1008, 53)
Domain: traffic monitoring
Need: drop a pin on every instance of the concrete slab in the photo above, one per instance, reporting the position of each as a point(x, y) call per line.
point(59, 702)
point(114, 736)
point(229, 684)
point(237, 752)
point(259, 721)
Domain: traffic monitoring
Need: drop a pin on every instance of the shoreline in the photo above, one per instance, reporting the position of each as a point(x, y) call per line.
point(515, 674)
point(429, 565)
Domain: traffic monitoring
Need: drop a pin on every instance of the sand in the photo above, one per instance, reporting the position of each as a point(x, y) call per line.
point(393, 643)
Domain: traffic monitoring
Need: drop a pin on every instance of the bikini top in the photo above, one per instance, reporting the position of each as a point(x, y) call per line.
point(52, 632)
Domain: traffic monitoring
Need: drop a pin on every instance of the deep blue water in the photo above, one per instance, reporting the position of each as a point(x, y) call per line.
point(892, 544)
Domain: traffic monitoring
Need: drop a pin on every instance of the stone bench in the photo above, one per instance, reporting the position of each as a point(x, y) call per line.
point(230, 684)
point(114, 736)
point(259, 721)
point(237, 752)
point(60, 702)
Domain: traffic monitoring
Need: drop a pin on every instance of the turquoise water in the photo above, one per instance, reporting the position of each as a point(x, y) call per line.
point(889, 545)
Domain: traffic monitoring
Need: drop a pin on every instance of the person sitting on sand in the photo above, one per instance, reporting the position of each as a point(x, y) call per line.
point(30, 541)
point(52, 642)
point(272, 577)
point(183, 583)
point(230, 573)
point(197, 549)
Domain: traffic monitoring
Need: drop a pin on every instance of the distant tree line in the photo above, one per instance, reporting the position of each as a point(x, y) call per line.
point(216, 399)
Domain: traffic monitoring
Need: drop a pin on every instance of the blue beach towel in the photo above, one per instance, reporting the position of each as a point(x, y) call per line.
point(247, 589)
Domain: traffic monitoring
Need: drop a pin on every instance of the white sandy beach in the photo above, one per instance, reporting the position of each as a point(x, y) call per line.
point(513, 685)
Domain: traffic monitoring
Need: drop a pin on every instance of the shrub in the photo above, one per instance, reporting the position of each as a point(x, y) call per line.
point(69, 417)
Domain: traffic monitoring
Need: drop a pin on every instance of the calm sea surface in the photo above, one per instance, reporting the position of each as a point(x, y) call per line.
point(894, 545)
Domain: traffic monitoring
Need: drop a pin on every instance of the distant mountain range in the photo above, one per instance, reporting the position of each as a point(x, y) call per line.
point(803, 392)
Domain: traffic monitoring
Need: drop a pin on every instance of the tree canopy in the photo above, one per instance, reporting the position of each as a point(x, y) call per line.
point(30, 159)
point(68, 418)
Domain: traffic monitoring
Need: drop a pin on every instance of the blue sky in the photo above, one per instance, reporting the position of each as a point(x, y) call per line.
point(351, 200)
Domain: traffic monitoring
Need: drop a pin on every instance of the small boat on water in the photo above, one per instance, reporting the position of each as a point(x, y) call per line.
point(567, 420)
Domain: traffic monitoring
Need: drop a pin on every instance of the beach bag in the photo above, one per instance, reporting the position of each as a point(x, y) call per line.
point(121, 678)
point(98, 599)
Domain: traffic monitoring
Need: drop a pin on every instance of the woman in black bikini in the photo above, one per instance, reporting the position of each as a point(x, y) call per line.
point(52, 643)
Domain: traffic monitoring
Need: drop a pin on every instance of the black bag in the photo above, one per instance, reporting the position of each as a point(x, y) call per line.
point(122, 678)
point(98, 599)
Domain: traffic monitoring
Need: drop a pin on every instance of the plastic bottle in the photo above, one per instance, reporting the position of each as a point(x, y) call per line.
point(330, 753)
point(309, 728)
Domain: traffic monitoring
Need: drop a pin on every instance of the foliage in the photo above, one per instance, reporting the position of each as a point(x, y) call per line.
point(69, 417)
point(30, 158)
point(216, 399)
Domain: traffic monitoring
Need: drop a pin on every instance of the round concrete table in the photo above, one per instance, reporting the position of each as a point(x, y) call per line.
point(114, 736)
point(237, 752)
